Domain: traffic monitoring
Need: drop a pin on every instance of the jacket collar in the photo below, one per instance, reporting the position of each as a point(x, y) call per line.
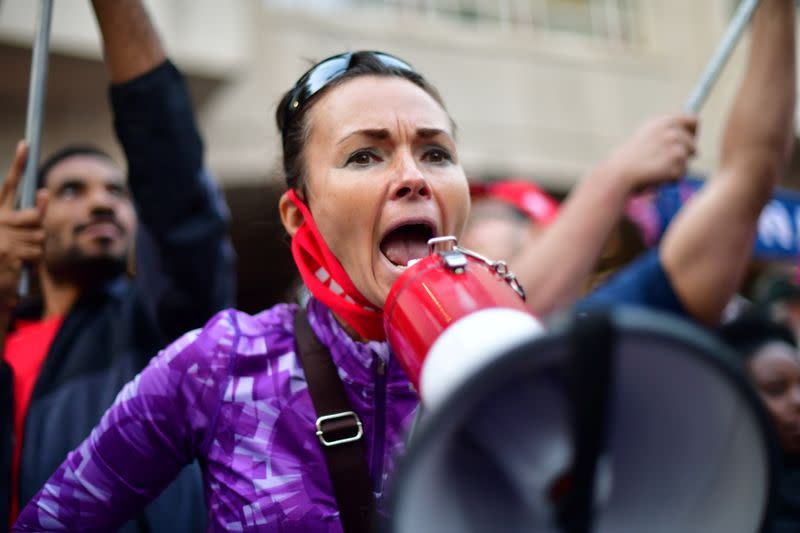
point(357, 361)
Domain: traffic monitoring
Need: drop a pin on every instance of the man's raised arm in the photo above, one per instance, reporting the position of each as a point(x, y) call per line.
point(130, 43)
point(184, 258)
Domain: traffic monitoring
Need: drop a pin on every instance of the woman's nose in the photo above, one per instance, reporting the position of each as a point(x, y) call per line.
point(411, 183)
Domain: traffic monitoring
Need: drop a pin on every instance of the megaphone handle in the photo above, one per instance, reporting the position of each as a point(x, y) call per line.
point(34, 119)
point(589, 378)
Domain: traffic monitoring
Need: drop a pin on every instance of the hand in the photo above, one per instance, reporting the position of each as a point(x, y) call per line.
point(21, 233)
point(657, 153)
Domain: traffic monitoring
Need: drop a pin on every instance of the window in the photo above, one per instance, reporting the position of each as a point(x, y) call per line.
point(610, 19)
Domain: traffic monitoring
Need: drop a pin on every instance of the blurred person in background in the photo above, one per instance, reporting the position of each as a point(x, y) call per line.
point(506, 216)
point(68, 353)
point(518, 223)
point(781, 297)
point(769, 351)
point(373, 172)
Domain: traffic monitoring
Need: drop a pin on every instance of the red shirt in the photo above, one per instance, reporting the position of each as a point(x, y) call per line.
point(25, 351)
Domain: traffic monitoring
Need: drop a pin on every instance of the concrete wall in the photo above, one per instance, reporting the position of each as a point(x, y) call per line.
point(544, 105)
point(206, 36)
point(208, 39)
point(529, 102)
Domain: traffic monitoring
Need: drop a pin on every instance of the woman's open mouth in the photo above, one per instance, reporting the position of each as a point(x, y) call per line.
point(407, 242)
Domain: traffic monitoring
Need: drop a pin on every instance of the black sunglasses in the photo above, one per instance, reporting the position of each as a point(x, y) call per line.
point(328, 70)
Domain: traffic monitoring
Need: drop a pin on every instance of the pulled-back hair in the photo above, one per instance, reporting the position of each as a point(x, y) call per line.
point(295, 127)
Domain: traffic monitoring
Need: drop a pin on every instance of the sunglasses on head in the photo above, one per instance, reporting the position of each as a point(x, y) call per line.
point(327, 70)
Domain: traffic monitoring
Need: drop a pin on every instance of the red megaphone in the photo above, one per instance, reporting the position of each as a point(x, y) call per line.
point(452, 312)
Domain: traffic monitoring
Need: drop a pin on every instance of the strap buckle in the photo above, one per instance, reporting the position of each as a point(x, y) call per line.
point(338, 422)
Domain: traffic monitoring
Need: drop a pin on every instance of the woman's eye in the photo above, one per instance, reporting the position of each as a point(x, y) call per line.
point(362, 158)
point(437, 155)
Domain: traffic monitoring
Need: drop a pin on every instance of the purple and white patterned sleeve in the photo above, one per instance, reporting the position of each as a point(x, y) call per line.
point(159, 423)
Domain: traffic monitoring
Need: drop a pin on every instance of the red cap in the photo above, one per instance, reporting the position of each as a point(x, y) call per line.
point(524, 195)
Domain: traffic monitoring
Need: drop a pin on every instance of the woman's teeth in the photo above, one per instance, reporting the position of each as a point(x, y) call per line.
point(411, 262)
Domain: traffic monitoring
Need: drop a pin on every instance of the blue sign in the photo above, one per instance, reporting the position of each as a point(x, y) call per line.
point(778, 227)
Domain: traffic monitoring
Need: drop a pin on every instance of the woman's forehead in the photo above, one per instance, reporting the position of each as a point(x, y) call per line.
point(378, 103)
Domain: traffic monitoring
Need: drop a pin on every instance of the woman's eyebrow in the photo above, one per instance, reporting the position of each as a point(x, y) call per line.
point(428, 133)
point(380, 134)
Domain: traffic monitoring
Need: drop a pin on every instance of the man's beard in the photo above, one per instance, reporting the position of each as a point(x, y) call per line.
point(74, 266)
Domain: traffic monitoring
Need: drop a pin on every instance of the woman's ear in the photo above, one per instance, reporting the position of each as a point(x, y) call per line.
point(291, 217)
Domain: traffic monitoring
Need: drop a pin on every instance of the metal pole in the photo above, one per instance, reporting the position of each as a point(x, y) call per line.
point(35, 116)
point(732, 35)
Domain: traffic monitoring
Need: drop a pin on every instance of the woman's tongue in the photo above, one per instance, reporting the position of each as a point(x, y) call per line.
point(400, 247)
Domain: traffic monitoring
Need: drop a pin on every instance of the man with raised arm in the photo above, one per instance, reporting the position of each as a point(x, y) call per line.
point(67, 354)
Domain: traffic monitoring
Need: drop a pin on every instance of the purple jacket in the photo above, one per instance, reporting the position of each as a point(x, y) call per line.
point(232, 395)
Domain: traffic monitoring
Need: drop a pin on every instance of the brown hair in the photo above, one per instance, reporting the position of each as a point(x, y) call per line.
point(295, 128)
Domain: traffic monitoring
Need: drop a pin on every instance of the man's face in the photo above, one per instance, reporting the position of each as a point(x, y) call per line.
point(89, 220)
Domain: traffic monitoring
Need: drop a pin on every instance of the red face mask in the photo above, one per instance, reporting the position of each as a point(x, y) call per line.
point(328, 282)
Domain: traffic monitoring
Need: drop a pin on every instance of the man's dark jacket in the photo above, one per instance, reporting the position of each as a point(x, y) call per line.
point(184, 273)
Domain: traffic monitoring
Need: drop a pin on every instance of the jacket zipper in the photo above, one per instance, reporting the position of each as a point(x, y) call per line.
point(379, 430)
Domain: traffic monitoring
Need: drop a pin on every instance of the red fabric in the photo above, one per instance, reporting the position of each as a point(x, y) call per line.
point(524, 195)
point(25, 351)
point(328, 282)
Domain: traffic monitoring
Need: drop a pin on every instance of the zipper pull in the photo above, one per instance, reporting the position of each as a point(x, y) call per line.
point(381, 366)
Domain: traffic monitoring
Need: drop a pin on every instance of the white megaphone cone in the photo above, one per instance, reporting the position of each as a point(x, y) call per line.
point(451, 313)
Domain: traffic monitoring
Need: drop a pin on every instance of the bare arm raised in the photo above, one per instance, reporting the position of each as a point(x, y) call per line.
point(556, 263)
point(706, 249)
point(130, 43)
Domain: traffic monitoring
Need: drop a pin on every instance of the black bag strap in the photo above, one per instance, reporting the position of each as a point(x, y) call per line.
point(339, 430)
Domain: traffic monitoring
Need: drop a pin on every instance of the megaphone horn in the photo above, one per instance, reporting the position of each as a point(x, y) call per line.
point(630, 421)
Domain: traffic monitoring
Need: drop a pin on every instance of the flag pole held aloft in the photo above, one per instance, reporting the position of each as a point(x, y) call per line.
point(733, 33)
point(35, 117)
